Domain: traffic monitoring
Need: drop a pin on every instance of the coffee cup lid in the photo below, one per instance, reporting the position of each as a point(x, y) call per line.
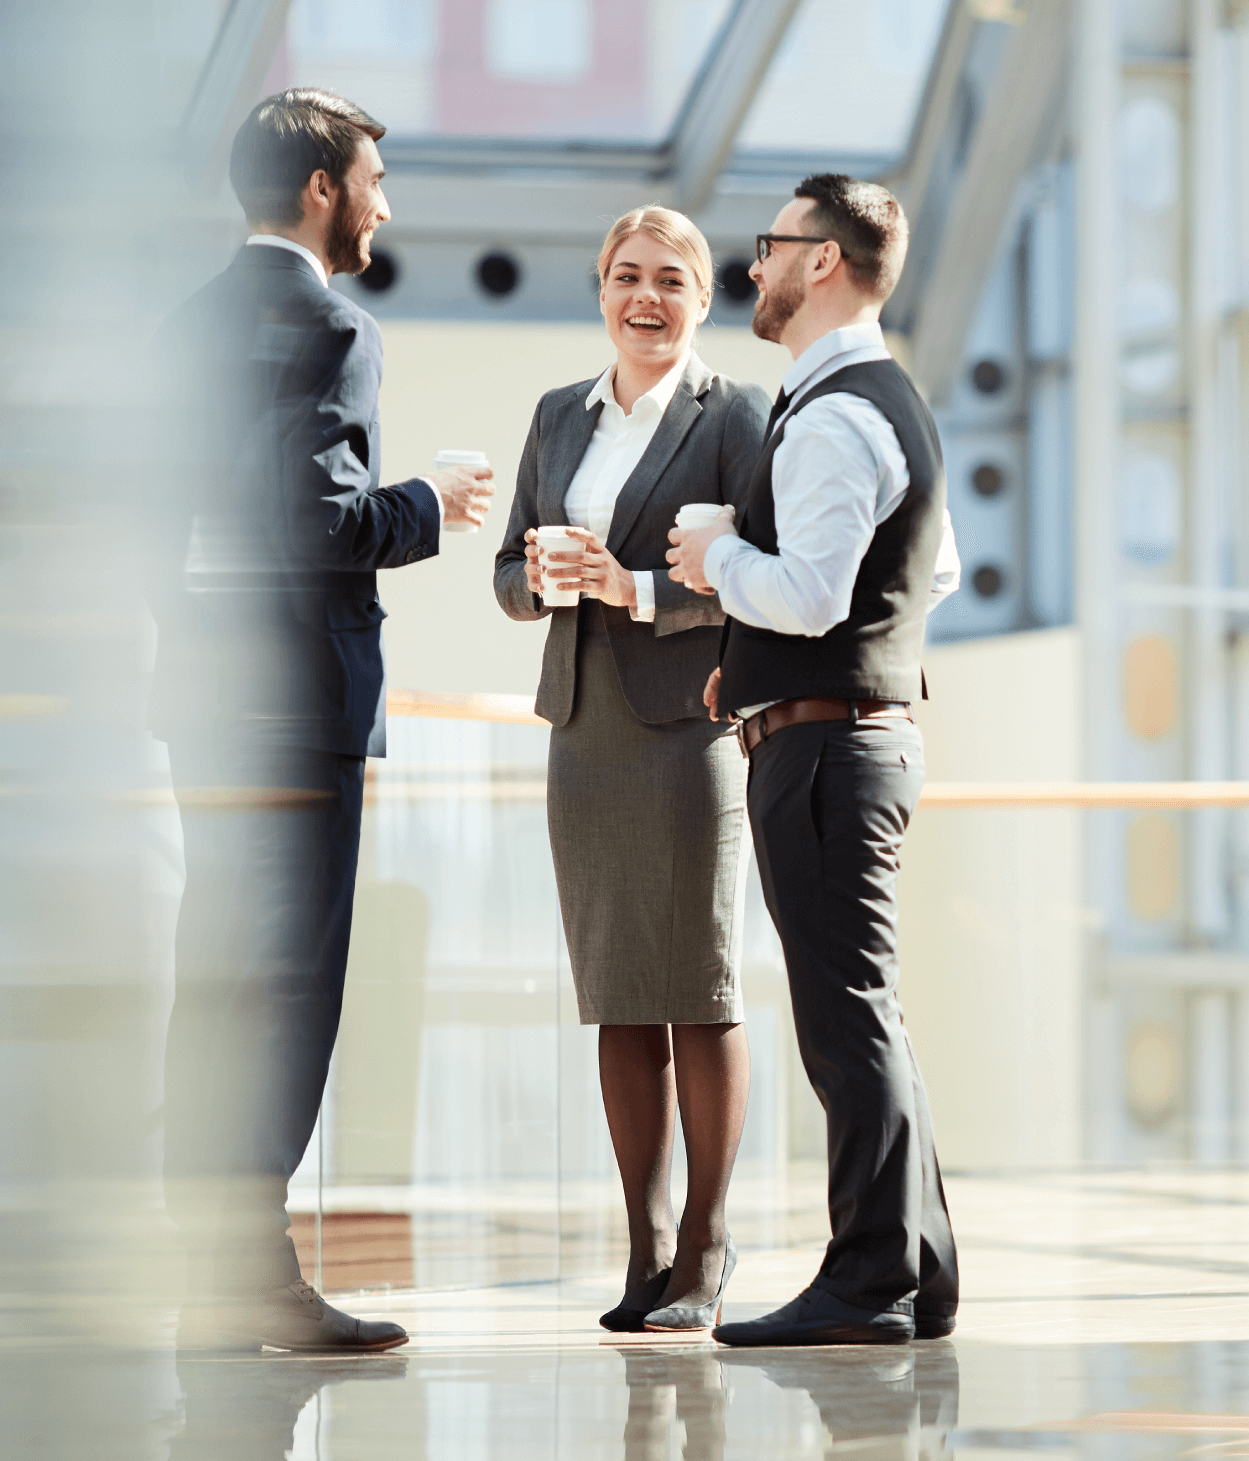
point(714, 508)
point(463, 458)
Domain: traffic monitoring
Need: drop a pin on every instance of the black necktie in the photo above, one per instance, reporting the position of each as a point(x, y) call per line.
point(782, 405)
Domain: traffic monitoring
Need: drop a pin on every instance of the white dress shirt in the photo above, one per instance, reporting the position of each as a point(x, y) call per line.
point(614, 450)
point(275, 241)
point(838, 473)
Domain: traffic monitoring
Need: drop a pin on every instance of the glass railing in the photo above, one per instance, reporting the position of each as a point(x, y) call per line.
point(462, 1140)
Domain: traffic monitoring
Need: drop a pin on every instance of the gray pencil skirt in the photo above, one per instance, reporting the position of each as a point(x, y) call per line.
point(648, 832)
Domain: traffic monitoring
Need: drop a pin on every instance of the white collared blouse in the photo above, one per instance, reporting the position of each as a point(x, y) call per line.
point(614, 451)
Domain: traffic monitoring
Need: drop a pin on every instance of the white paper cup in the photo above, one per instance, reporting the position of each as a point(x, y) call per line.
point(557, 540)
point(702, 514)
point(448, 458)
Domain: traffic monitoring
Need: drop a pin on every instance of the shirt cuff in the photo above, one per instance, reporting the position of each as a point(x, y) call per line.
point(718, 554)
point(644, 613)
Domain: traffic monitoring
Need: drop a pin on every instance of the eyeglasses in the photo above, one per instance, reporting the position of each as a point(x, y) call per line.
point(764, 241)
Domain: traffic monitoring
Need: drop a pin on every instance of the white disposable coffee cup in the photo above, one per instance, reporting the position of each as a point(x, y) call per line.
point(557, 540)
point(702, 514)
point(447, 458)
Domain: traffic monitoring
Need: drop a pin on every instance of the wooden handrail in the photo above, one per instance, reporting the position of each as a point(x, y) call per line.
point(1160, 795)
point(954, 795)
point(446, 705)
point(937, 795)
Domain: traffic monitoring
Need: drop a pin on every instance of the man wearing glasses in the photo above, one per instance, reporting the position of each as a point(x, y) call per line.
point(842, 550)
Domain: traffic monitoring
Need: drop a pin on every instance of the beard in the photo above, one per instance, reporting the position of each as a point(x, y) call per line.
point(781, 303)
point(347, 242)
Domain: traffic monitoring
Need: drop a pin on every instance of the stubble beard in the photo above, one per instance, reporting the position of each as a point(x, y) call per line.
point(346, 244)
point(775, 309)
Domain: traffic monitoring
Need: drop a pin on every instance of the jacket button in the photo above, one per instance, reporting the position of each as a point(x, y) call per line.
point(411, 558)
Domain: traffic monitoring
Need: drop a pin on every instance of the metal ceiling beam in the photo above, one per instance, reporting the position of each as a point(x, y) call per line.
point(227, 89)
point(1009, 128)
point(720, 98)
point(937, 110)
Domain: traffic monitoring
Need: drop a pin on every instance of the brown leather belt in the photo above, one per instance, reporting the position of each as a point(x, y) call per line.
point(815, 708)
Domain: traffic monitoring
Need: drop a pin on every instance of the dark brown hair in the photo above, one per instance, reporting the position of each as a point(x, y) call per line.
point(867, 222)
point(285, 140)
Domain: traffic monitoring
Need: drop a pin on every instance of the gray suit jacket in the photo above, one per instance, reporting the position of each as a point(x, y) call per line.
point(704, 450)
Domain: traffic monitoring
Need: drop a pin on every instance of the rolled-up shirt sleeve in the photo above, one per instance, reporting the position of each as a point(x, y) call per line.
point(825, 518)
point(949, 571)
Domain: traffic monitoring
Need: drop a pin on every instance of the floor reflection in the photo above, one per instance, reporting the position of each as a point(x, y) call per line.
point(671, 1389)
point(568, 1396)
point(903, 1399)
point(249, 1409)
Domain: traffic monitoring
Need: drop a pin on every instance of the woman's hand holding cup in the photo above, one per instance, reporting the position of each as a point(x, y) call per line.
point(557, 555)
point(600, 575)
point(533, 563)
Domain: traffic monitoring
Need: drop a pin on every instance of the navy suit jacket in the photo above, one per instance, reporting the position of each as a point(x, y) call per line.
point(267, 523)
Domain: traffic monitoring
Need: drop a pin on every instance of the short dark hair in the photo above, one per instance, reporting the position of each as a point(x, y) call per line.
point(287, 138)
point(867, 222)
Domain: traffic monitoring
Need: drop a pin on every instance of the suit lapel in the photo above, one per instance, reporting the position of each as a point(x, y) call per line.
point(683, 410)
point(570, 436)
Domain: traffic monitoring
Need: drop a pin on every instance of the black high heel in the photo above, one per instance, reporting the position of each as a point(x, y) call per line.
point(700, 1316)
point(624, 1320)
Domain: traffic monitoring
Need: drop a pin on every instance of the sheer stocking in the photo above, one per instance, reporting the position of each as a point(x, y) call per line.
point(640, 1098)
point(646, 1070)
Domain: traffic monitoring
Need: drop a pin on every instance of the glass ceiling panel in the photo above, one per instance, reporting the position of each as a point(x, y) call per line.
point(847, 78)
point(595, 70)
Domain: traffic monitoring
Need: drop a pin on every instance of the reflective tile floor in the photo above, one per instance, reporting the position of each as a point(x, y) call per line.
point(1105, 1315)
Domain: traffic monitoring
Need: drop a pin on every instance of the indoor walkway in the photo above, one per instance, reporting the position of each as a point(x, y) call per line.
point(1105, 1314)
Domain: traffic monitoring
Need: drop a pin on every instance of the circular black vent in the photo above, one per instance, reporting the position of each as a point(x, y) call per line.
point(382, 273)
point(498, 274)
point(736, 281)
point(988, 377)
point(988, 581)
point(988, 480)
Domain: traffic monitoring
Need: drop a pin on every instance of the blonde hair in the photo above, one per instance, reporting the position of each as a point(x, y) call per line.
point(668, 227)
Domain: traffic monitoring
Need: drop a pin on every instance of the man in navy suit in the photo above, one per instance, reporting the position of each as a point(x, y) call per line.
point(268, 530)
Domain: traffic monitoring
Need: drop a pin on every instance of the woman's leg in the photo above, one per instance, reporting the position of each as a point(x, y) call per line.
point(713, 1082)
point(640, 1098)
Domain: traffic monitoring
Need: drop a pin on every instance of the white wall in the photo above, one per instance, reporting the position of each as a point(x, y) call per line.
point(475, 385)
point(992, 925)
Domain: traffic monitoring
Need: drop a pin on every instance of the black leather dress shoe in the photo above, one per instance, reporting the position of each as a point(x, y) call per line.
point(818, 1317)
point(295, 1317)
point(933, 1326)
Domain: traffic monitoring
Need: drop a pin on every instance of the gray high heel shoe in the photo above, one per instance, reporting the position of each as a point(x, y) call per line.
point(700, 1316)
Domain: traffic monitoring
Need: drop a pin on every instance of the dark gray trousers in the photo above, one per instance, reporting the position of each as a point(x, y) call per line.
point(261, 961)
point(829, 806)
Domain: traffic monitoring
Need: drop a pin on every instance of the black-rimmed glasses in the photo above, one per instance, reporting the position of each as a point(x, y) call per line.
point(764, 241)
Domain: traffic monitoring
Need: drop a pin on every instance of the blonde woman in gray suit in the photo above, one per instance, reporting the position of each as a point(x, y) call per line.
point(646, 796)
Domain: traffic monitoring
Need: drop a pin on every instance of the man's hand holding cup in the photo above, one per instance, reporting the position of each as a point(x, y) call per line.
point(690, 544)
point(465, 482)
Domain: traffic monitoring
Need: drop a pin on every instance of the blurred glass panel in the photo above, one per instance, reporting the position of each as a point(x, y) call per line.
point(594, 69)
point(439, 1126)
point(462, 1137)
point(847, 78)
